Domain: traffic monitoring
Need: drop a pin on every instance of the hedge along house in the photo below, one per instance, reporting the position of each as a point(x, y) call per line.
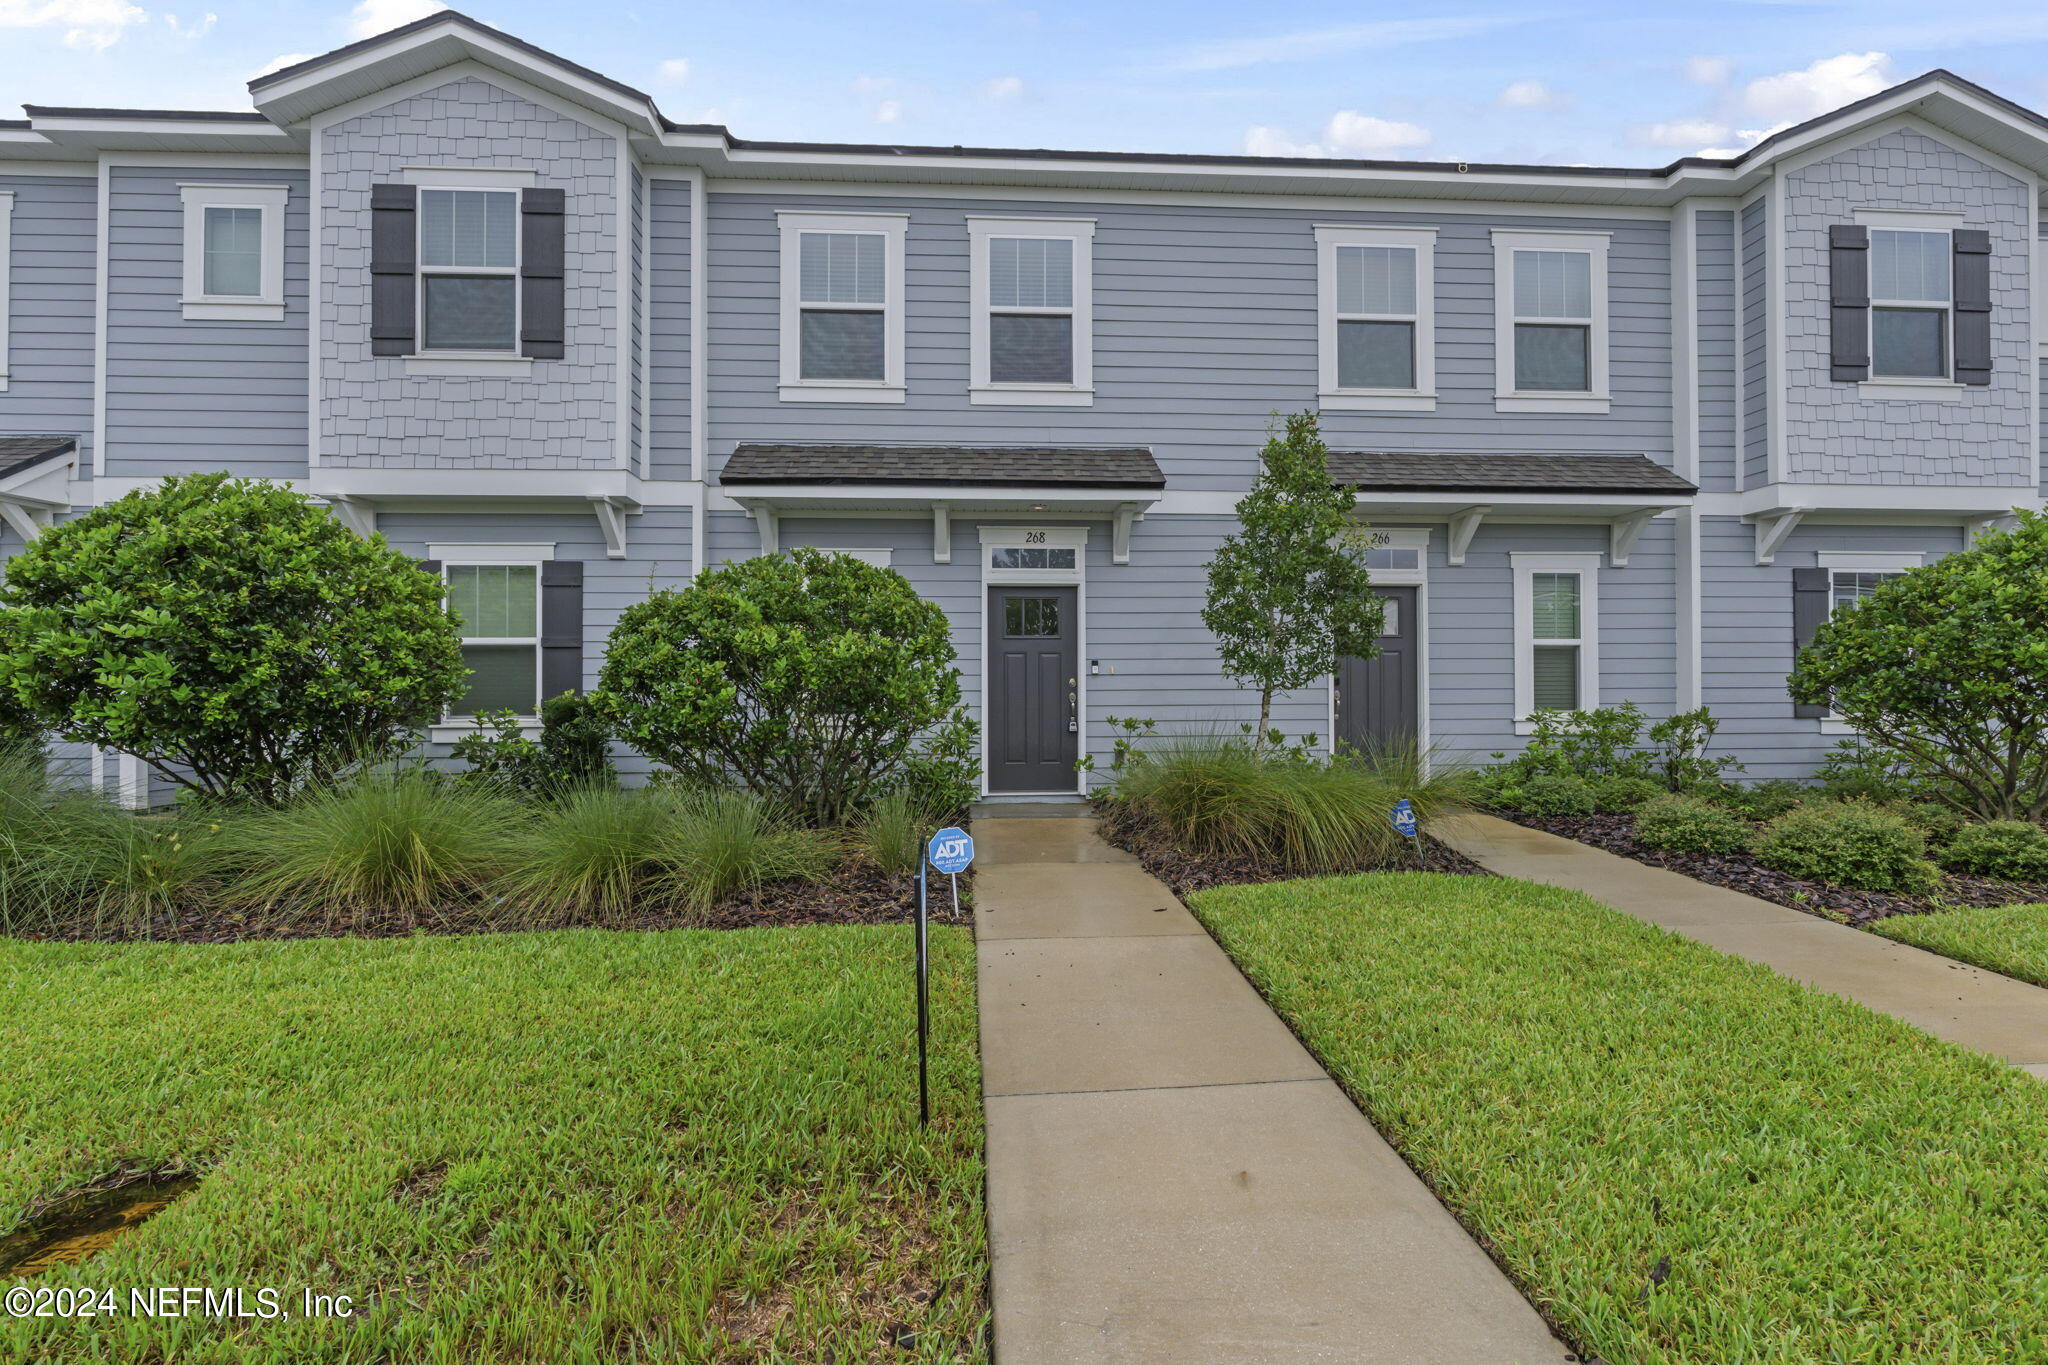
point(1619, 434)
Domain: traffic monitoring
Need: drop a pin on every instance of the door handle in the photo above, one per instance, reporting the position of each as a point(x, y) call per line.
point(1073, 709)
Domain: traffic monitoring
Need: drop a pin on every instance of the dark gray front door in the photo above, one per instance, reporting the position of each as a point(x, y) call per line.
point(1377, 698)
point(1034, 720)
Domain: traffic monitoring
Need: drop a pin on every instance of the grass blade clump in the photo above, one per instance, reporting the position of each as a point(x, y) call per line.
point(380, 842)
point(891, 834)
point(596, 851)
point(723, 843)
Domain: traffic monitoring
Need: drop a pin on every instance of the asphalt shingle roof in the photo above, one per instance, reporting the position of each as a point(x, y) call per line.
point(1506, 473)
point(19, 452)
point(985, 466)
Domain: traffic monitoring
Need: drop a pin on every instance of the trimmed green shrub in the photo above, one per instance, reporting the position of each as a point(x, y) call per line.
point(228, 632)
point(573, 752)
point(1623, 793)
point(1686, 824)
point(1681, 755)
point(2012, 850)
point(1757, 801)
point(1849, 845)
point(1552, 794)
point(1584, 744)
point(1941, 824)
point(810, 679)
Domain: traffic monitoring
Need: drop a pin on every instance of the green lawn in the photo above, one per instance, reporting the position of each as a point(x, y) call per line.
point(561, 1147)
point(2012, 939)
point(1680, 1155)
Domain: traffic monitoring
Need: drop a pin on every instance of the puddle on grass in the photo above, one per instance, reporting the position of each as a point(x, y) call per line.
point(83, 1223)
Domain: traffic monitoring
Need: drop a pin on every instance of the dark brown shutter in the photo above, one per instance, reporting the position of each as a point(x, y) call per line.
point(1973, 305)
point(542, 224)
point(394, 268)
point(561, 627)
point(1813, 592)
point(1849, 300)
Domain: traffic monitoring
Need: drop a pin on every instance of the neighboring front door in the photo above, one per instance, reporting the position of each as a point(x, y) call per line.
point(1034, 694)
point(1377, 699)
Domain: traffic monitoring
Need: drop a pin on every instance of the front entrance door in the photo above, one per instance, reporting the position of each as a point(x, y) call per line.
point(1034, 692)
point(1377, 698)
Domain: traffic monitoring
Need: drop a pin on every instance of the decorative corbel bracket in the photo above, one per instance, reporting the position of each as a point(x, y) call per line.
point(1463, 526)
point(611, 519)
point(357, 515)
point(942, 533)
point(1120, 532)
point(1623, 534)
point(1772, 529)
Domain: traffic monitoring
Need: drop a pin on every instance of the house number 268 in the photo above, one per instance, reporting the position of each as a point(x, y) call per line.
point(1034, 537)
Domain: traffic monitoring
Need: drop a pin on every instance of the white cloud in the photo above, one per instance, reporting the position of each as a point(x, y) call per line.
point(1002, 88)
point(1792, 96)
point(1348, 133)
point(1709, 70)
point(1685, 132)
point(889, 111)
point(372, 17)
point(93, 24)
point(1311, 43)
point(1533, 95)
point(194, 31)
point(675, 71)
point(280, 62)
point(872, 85)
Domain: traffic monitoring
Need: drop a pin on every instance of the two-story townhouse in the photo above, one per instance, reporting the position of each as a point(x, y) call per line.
point(1620, 434)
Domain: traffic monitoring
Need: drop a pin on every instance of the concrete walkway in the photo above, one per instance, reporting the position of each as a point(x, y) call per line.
point(1948, 999)
point(1171, 1176)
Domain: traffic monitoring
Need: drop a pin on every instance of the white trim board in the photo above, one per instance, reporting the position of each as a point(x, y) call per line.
point(6, 275)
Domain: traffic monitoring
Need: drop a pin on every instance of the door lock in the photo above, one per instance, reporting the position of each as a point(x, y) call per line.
point(1073, 709)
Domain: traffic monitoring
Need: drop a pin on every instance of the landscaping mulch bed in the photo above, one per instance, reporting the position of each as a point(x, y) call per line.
point(1740, 872)
point(1185, 872)
point(854, 895)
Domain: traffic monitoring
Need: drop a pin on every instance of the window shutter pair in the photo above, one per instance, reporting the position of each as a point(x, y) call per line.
point(561, 624)
point(1813, 593)
point(394, 271)
point(1849, 303)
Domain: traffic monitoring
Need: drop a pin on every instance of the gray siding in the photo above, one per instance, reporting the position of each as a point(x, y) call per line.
point(1205, 324)
point(669, 365)
point(50, 275)
point(1832, 432)
point(1716, 292)
point(562, 415)
point(1756, 341)
point(198, 395)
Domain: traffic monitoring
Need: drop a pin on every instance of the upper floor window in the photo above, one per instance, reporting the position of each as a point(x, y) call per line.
point(469, 270)
point(1376, 317)
point(1910, 291)
point(1031, 330)
point(842, 307)
point(234, 252)
point(1550, 325)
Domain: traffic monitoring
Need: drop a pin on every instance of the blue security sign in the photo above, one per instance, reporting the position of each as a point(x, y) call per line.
point(1404, 819)
point(951, 850)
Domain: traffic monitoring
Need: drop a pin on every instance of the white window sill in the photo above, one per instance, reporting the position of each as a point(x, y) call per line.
point(1550, 402)
point(1912, 390)
point(815, 391)
point(1031, 396)
point(448, 731)
point(1376, 400)
point(465, 363)
point(238, 310)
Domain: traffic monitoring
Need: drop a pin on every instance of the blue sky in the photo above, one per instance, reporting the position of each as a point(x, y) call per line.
point(1606, 82)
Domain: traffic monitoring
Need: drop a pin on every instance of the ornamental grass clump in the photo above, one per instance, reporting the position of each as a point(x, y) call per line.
point(722, 843)
point(591, 852)
point(1849, 845)
point(892, 832)
point(1686, 824)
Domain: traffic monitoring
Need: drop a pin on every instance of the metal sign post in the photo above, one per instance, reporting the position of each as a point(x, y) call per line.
point(950, 851)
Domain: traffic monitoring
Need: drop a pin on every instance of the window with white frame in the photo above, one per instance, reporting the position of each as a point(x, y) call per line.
point(1551, 321)
point(1030, 328)
point(1032, 554)
point(1557, 663)
point(234, 252)
point(1911, 287)
point(469, 270)
point(1376, 317)
point(499, 608)
point(842, 307)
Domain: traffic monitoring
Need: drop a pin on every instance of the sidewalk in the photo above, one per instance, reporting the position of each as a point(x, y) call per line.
point(1172, 1177)
point(1949, 999)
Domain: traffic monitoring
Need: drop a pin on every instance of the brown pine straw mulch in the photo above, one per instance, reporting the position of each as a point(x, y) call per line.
point(852, 895)
point(1740, 872)
point(1186, 872)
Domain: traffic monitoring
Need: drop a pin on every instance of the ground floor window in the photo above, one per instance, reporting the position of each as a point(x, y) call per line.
point(499, 605)
point(1556, 633)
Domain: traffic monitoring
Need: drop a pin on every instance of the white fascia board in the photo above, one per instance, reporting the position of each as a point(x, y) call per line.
point(1822, 497)
point(494, 487)
point(822, 496)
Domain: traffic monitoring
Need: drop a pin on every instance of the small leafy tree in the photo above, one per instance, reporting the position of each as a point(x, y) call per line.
point(572, 754)
point(1289, 594)
point(1947, 668)
point(810, 678)
point(228, 632)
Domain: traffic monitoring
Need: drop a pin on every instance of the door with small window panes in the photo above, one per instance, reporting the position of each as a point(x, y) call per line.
point(1378, 699)
point(1034, 721)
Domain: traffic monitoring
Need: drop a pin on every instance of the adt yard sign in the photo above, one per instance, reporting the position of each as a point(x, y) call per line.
point(1404, 819)
point(952, 849)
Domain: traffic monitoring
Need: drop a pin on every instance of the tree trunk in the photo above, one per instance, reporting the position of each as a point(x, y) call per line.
point(1265, 720)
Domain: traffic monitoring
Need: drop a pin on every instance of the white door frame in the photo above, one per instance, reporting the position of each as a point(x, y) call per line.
point(1073, 538)
point(1402, 538)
